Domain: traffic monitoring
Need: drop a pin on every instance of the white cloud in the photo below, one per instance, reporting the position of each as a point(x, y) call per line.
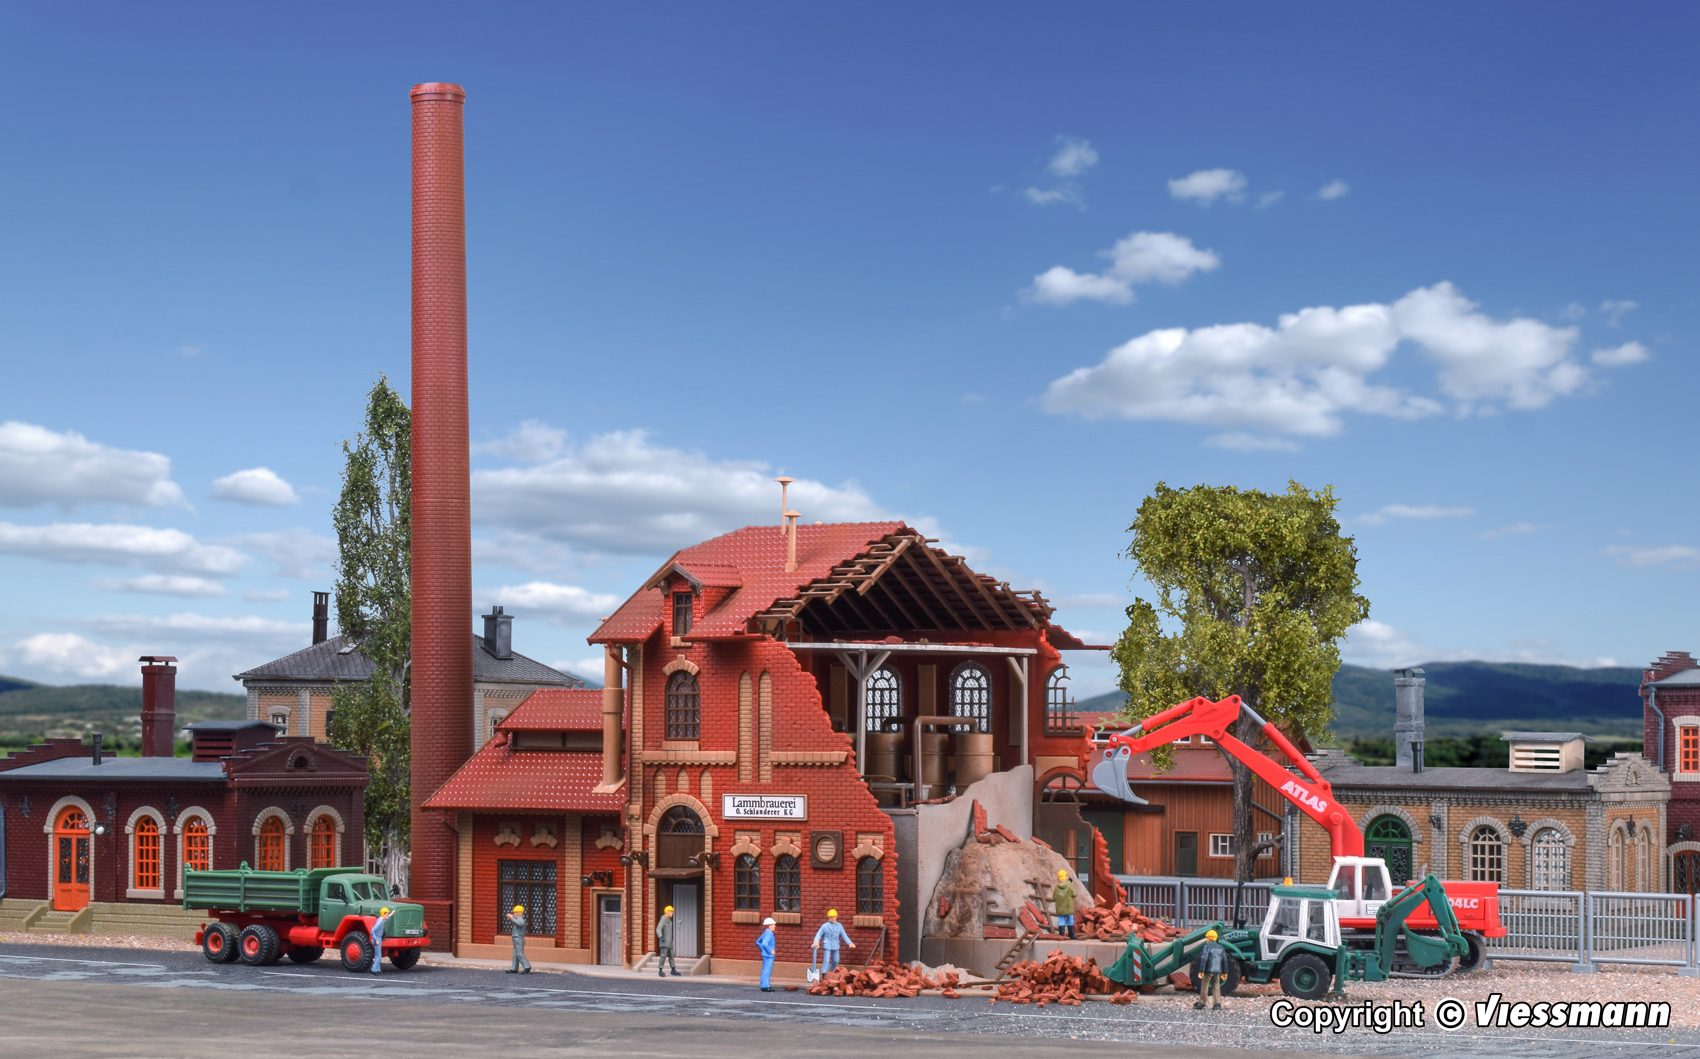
point(255, 595)
point(1046, 196)
point(1517, 530)
point(524, 551)
point(1426, 511)
point(620, 493)
point(164, 585)
point(1614, 310)
point(1270, 198)
point(1092, 599)
point(1642, 555)
point(1207, 185)
point(1382, 646)
point(1336, 189)
point(68, 654)
point(42, 466)
point(530, 442)
point(1142, 257)
point(1241, 442)
point(1073, 157)
point(259, 486)
point(1302, 375)
point(1618, 356)
point(554, 603)
point(1573, 311)
point(1379, 644)
point(297, 552)
point(118, 544)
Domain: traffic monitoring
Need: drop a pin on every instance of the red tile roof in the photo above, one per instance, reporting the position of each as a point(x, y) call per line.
point(502, 779)
point(753, 560)
point(556, 710)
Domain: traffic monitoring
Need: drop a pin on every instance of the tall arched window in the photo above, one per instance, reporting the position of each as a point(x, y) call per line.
point(1617, 866)
point(1644, 874)
point(268, 848)
point(684, 710)
point(197, 845)
point(1487, 855)
point(1389, 838)
point(1549, 861)
point(1059, 706)
point(323, 852)
point(146, 875)
point(787, 884)
point(870, 887)
point(678, 838)
point(971, 695)
point(885, 698)
point(746, 877)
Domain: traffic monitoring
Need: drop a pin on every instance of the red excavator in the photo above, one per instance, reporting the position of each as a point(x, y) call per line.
point(1362, 883)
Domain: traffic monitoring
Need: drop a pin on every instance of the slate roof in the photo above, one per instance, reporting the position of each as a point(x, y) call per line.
point(230, 726)
point(502, 779)
point(119, 769)
point(556, 710)
point(1678, 679)
point(327, 662)
point(757, 555)
point(1355, 775)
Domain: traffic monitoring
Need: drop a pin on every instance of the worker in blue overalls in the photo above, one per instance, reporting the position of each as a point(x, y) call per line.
point(769, 946)
point(378, 927)
point(827, 939)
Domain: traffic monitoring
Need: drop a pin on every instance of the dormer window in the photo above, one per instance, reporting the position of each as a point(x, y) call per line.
point(681, 613)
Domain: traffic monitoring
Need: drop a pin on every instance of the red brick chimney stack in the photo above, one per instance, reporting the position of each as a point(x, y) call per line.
point(159, 706)
point(442, 524)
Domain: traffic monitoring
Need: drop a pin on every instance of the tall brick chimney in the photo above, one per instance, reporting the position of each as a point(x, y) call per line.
point(441, 513)
point(159, 706)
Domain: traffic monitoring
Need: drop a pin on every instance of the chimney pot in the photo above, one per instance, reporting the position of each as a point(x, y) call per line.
point(499, 633)
point(1408, 718)
point(321, 616)
point(95, 739)
point(159, 707)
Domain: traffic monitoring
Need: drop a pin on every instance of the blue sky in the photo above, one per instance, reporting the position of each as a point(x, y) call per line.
point(993, 269)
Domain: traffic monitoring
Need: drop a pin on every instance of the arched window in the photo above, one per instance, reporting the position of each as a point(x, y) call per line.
point(1487, 855)
point(684, 711)
point(885, 698)
point(146, 875)
point(1644, 880)
point(1617, 866)
point(746, 877)
point(1059, 706)
point(971, 695)
point(1549, 861)
point(268, 847)
point(678, 838)
point(323, 852)
point(1685, 872)
point(870, 887)
point(1389, 838)
point(787, 884)
point(197, 845)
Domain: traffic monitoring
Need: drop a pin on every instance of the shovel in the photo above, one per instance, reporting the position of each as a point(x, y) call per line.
point(814, 971)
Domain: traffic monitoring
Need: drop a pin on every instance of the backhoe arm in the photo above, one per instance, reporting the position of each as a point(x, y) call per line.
point(1424, 949)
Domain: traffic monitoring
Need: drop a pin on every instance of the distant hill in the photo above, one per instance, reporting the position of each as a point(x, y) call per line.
point(1465, 699)
point(30, 711)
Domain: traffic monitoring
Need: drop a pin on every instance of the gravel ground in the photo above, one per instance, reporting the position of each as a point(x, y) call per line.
point(100, 941)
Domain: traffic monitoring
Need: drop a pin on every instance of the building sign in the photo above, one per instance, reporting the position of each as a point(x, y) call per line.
point(764, 806)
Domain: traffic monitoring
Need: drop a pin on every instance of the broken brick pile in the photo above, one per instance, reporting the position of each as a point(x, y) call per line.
point(1117, 921)
point(1059, 979)
point(890, 979)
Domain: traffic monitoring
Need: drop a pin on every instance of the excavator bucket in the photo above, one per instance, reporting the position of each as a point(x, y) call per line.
point(1425, 951)
point(1109, 773)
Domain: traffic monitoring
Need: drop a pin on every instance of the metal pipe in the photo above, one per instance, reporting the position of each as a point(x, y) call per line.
point(1653, 701)
point(613, 706)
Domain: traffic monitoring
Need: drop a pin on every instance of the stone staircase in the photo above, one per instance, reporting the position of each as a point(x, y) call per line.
point(17, 915)
point(651, 963)
point(54, 922)
point(114, 917)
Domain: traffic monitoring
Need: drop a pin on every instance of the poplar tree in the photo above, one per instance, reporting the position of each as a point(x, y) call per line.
point(1254, 592)
point(374, 615)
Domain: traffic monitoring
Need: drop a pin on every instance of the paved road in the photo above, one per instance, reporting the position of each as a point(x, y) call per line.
point(58, 1001)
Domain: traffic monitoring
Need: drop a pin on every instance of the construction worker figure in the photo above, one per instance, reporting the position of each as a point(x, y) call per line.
point(1212, 968)
point(1063, 897)
point(768, 945)
point(516, 927)
point(664, 945)
point(377, 935)
point(827, 939)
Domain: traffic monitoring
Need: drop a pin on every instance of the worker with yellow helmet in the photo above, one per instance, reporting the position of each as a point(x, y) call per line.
point(827, 939)
point(1063, 897)
point(377, 936)
point(1212, 967)
point(664, 944)
point(516, 927)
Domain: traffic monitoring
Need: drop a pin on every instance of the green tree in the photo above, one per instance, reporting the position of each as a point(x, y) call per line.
point(1254, 591)
point(374, 613)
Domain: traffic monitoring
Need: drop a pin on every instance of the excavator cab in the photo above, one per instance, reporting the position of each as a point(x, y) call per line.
point(1306, 916)
point(1363, 885)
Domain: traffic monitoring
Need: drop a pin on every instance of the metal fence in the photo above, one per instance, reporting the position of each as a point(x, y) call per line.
point(1195, 902)
point(1641, 928)
point(1541, 925)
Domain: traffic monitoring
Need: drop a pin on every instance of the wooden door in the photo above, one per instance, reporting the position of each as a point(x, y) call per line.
point(1186, 853)
point(686, 920)
point(71, 861)
point(608, 930)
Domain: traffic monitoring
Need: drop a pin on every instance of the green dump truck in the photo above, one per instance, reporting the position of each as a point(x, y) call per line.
point(266, 915)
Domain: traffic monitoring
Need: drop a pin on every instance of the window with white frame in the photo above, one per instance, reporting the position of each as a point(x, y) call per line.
point(1221, 845)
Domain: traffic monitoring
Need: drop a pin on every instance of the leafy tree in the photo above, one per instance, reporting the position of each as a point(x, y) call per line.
point(374, 613)
point(1253, 593)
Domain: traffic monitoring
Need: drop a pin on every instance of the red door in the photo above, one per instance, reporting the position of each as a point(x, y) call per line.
point(71, 861)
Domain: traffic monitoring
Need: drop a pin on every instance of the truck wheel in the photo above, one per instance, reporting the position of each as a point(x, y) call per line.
point(305, 953)
point(1229, 984)
point(1473, 958)
point(1306, 977)
point(356, 952)
point(259, 945)
point(219, 943)
point(404, 959)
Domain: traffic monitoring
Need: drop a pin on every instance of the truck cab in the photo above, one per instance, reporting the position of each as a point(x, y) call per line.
point(1306, 916)
point(363, 897)
point(1363, 885)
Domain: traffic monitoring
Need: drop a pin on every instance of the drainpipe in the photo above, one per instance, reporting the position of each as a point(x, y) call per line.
point(613, 706)
point(1653, 701)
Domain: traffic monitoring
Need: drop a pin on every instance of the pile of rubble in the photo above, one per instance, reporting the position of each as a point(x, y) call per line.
point(890, 979)
point(1115, 922)
point(1059, 979)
